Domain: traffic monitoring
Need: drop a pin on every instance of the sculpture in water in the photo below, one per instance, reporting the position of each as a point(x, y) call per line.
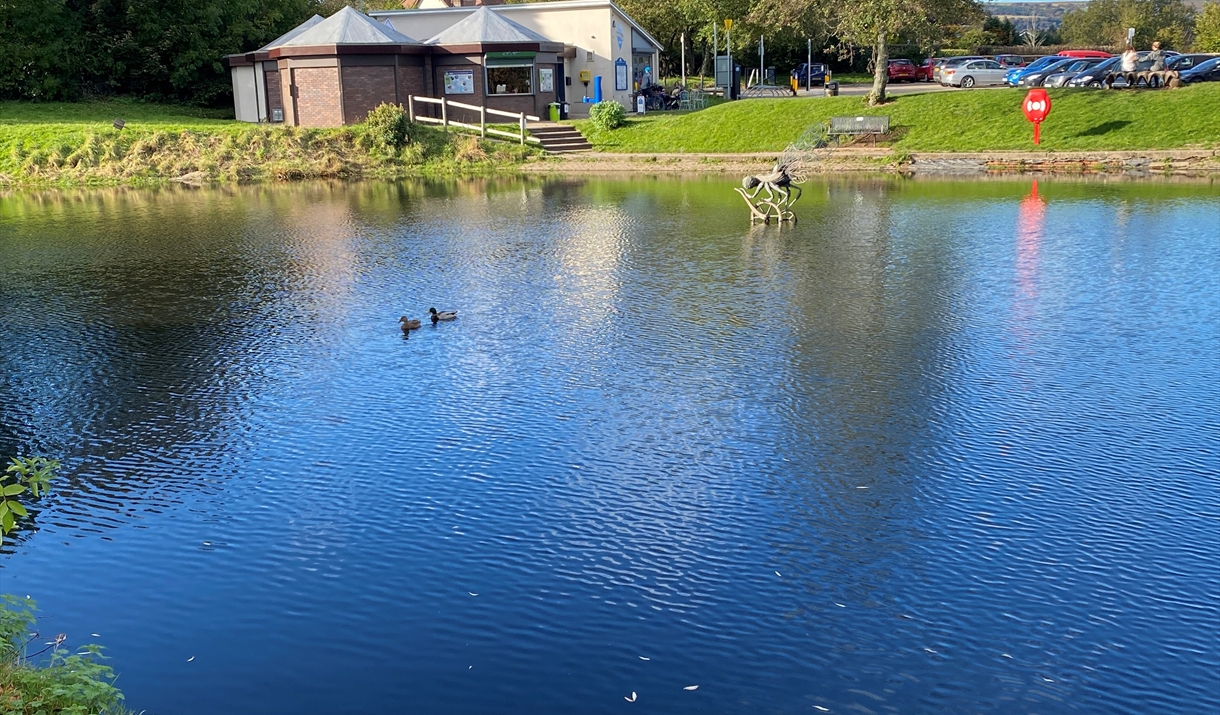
point(771, 196)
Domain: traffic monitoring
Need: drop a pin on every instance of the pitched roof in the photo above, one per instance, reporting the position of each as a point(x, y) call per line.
point(348, 27)
point(291, 33)
point(485, 25)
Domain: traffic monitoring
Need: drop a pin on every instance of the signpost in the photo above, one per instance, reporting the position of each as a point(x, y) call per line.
point(728, 47)
point(1037, 106)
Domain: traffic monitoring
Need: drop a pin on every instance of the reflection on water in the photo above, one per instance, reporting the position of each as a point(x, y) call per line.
point(939, 447)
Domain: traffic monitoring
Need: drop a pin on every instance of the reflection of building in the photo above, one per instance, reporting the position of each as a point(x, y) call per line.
point(517, 58)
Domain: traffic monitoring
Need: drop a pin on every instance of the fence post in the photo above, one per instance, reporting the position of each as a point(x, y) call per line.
point(483, 122)
point(411, 108)
point(445, 114)
point(522, 123)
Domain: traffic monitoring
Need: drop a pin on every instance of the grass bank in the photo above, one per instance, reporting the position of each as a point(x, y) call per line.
point(76, 144)
point(966, 120)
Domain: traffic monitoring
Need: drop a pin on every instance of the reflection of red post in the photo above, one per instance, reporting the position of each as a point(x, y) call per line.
point(1037, 106)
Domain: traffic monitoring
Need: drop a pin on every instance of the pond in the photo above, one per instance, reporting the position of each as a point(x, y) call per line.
point(940, 447)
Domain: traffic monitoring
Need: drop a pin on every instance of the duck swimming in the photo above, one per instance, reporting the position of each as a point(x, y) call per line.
point(439, 315)
point(408, 324)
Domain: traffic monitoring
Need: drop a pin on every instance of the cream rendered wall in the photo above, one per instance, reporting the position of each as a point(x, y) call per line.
point(245, 94)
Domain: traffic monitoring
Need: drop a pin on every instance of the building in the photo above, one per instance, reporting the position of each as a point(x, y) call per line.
point(518, 58)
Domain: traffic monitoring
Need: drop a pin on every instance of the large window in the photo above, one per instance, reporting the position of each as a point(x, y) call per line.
point(511, 79)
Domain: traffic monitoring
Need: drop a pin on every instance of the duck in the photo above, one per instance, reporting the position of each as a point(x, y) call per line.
point(439, 315)
point(408, 324)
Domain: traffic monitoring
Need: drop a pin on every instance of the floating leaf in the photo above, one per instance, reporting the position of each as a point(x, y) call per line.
point(630, 699)
point(190, 659)
point(691, 687)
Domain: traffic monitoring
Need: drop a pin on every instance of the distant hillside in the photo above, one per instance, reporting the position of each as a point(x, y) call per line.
point(1031, 15)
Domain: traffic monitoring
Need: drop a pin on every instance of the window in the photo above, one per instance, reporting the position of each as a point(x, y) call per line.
point(516, 79)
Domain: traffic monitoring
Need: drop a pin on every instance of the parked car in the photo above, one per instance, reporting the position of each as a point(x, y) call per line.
point(926, 71)
point(1010, 60)
point(974, 72)
point(1085, 53)
point(819, 71)
point(1064, 74)
point(1015, 74)
point(1182, 63)
point(947, 62)
point(1208, 71)
point(901, 70)
point(1035, 78)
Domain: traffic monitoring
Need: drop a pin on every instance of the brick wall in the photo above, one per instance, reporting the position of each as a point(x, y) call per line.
point(275, 99)
point(364, 88)
point(411, 82)
point(317, 100)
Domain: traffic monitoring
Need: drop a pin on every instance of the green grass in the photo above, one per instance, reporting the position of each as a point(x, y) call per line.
point(966, 120)
point(76, 144)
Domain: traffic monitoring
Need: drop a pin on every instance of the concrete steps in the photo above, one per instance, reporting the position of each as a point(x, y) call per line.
point(558, 138)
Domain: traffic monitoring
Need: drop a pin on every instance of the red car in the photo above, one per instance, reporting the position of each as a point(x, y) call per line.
point(901, 71)
point(925, 71)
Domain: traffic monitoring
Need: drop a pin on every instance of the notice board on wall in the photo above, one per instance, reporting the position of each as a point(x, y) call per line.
point(620, 75)
point(459, 81)
point(546, 79)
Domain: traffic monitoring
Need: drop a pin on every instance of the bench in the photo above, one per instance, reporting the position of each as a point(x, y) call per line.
point(873, 126)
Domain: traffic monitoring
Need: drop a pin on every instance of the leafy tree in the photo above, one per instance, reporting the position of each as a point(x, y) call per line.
point(1105, 23)
point(1207, 28)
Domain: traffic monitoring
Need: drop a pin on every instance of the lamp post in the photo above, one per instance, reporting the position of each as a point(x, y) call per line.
point(809, 67)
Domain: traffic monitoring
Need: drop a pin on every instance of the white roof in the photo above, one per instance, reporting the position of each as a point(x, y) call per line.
point(485, 25)
point(348, 27)
point(291, 33)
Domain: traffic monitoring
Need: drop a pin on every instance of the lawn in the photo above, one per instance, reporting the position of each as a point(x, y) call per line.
point(966, 120)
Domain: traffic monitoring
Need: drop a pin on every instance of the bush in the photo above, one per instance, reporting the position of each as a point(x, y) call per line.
point(388, 126)
point(608, 115)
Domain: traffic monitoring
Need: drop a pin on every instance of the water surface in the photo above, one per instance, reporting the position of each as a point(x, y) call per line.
point(940, 447)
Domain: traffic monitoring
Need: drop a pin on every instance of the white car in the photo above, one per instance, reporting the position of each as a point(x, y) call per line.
point(975, 72)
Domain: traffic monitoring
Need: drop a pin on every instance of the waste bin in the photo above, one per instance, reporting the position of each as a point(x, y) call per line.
point(553, 111)
point(563, 112)
point(832, 89)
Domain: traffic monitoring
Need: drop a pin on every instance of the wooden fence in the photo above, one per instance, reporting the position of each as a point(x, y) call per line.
point(481, 127)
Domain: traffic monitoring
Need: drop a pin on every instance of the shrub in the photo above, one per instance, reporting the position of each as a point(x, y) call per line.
point(608, 115)
point(388, 126)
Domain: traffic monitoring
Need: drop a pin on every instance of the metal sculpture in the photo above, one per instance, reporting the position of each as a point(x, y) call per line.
point(771, 196)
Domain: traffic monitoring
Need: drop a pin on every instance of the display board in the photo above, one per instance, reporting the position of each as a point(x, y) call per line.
point(459, 81)
point(546, 79)
point(620, 75)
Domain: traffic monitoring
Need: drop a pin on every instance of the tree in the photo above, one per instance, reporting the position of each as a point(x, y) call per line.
point(1207, 29)
point(1105, 23)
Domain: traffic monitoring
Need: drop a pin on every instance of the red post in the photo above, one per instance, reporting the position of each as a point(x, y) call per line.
point(1037, 106)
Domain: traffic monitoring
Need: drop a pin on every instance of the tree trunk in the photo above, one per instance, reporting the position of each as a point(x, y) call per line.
point(881, 62)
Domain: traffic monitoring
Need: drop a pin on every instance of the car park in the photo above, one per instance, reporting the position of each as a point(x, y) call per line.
point(900, 70)
point(1208, 71)
point(1065, 74)
point(1010, 60)
point(974, 72)
point(1035, 78)
point(1015, 74)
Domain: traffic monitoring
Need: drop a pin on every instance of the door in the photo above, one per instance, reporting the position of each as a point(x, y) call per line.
point(991, 72)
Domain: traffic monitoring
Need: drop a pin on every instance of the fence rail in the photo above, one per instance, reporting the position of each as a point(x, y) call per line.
point(481, 127)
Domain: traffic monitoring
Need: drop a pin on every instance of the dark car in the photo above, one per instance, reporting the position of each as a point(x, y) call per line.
point(1181, 63)
point(819, 72)
point(1037, 77)
point(1208, 71)
point(901, 70)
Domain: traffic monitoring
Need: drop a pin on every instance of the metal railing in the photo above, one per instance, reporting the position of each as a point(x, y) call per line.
point(481, 127)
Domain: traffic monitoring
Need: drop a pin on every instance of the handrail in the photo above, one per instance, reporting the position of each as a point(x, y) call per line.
point(483, 111)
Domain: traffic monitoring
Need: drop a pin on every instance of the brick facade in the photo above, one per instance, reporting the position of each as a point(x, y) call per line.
point(318, 101)
point(275, 99)
point(364, 88)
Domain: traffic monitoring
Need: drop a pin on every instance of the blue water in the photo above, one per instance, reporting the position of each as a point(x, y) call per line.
point(940, 447)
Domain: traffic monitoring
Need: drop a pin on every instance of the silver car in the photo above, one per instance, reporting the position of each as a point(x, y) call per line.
point(974, 72)
point(949, 62)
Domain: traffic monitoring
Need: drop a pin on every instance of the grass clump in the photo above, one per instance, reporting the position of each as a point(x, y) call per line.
point(965, 120)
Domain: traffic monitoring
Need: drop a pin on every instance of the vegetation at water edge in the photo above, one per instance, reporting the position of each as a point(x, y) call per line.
point(72, 144)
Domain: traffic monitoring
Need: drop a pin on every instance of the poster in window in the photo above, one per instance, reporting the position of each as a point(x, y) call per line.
point(459, 81)
point(546, 79)
point(620, 75)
